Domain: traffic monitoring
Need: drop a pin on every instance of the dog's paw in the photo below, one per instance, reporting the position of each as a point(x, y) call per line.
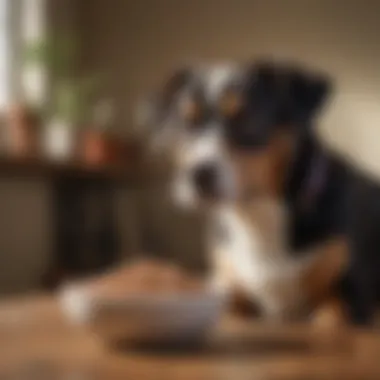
point(330, 314)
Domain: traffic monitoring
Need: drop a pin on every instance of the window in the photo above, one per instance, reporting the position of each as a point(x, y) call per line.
point(33, 27)
point(4, 53)
point(21, 22)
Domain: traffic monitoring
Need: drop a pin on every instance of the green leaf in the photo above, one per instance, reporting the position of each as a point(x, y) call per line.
point(58, 53)
point(72, 98)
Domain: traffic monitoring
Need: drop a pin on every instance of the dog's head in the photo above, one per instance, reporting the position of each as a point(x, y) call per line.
point(232, 130)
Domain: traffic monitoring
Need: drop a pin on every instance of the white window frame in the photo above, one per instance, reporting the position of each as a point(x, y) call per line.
point(33, 28)
point(5, 54)
point(21, 22)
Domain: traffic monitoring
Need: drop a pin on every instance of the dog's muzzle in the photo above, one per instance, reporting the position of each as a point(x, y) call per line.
point(206, 179)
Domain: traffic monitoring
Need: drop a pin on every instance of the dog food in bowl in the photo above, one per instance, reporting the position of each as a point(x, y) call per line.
point(147, 278)
point(147, 301)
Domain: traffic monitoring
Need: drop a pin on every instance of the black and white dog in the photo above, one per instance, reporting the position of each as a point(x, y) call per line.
point(290, 226)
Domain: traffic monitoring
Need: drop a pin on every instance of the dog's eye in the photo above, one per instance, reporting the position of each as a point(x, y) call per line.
point(230, 104)
point(191, 110)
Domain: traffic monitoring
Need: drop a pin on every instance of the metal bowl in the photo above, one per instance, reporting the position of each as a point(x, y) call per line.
point(167, 318)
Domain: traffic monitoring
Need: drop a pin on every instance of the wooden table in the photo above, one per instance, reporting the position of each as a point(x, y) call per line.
point(37, 343)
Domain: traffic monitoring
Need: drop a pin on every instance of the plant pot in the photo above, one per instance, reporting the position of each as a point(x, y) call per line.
point(22, 127)
point(97, 148)
point(59, 140)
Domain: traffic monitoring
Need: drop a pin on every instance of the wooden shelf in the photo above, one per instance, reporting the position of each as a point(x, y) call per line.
point(11, 167)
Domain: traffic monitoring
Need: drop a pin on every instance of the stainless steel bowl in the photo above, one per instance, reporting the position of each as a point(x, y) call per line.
point(148, 318)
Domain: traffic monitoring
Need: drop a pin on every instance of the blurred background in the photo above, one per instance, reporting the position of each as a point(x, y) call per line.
point(72, 198)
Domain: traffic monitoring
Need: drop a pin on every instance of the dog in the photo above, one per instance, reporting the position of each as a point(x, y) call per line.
point(289, 220)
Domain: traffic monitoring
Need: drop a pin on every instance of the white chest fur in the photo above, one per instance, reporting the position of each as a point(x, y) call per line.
point(252, 256)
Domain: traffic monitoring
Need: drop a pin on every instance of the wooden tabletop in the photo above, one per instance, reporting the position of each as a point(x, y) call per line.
point(37, 343)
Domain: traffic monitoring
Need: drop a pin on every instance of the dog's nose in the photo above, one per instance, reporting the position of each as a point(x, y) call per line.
point(205, 179)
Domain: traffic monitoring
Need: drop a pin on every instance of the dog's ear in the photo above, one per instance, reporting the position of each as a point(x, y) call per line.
point(262, 77)
point(308, 94)
point(154, 110)
point(266, 72)
point(173, 85)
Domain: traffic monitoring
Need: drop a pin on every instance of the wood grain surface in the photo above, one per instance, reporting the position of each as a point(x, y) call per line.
point(36, 342)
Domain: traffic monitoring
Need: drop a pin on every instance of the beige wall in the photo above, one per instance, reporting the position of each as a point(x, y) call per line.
point(139, 41)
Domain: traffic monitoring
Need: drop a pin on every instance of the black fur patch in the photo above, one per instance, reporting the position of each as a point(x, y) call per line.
point(323, 215)
point(276, 97)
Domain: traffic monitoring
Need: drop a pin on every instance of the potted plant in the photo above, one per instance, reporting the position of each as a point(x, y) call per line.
point(71, 107)
point(99, 145)
point(68, 106)
point(21, 130)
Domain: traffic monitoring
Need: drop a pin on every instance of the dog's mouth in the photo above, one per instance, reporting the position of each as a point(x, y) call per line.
point(212, 190)
point(209, 192)
point(212, 185)
point(189, 195)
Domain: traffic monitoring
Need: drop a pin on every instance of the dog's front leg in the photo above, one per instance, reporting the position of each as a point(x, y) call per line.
point(222, 273)
point(224, 280)
point(321, 277)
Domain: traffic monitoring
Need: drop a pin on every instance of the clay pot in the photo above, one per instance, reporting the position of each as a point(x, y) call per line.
point(97, 148)
point(22, 127)
point(100, 148)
